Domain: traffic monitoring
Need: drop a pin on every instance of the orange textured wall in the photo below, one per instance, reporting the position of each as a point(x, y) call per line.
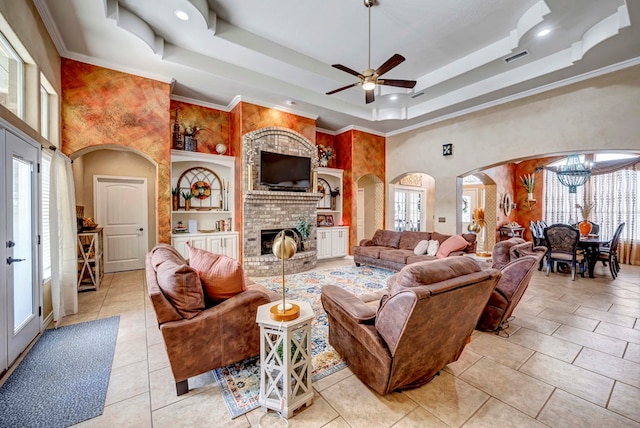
point(503, 176)
point(213, 125)
point(255, 117)
point(107, 107)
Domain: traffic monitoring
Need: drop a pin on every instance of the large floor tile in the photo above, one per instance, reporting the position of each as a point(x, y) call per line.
point(608, 365)
point(134, 412)
point(632, 353)
point(568, 411)
point(516, 389)
point(420, 418)
point(128, 381)
point(626, 401)
point(625, 310)
point(466, 360)
point(535, 323)
point(549, 345)
point(316, 415)
point(449, 398)
point(495, 413)
point(570, 319)
point(372, 410)
point(591, 340)
point(612, 318)
point(578, 381)
point(623, 333)
point(499, 349)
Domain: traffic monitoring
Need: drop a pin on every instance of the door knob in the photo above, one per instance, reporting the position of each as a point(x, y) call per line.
point(141, 229)
point(11, 260)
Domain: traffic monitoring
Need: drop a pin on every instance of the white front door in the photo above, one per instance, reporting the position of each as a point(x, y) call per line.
point(22, 304)
point(120, 206)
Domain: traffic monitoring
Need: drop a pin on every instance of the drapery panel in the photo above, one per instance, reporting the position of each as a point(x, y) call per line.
point(615, 198)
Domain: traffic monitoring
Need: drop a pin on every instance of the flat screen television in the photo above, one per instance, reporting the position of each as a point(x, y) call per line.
point(285, 172)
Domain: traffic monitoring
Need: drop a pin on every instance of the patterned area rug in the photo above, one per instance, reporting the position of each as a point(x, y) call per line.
point(240, 382)
point(63, 379)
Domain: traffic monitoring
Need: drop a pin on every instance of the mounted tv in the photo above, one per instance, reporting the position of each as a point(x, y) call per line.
point(285, 172)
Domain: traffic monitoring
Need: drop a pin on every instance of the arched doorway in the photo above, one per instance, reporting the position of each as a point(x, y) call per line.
point(409, 206)
point(369, 206)
point(479, 191)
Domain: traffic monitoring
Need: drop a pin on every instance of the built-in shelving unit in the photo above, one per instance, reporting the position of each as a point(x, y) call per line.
point(333, 238)
point(208, 223)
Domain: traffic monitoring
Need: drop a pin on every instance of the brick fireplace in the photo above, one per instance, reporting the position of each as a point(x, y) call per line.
point(267, 210)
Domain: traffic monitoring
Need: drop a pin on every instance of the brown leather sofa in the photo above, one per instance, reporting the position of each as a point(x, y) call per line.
point(199, 338)
point(422, 325)
point(393, 250)
point(516, 259)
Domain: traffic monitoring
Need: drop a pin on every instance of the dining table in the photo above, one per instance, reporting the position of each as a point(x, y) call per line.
point(591, 245)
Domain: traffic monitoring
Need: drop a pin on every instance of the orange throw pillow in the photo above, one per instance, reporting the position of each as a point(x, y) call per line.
point(451, 244)
point(221, 276)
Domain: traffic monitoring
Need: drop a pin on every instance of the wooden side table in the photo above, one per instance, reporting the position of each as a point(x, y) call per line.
point(285, 371)
point(90, 268)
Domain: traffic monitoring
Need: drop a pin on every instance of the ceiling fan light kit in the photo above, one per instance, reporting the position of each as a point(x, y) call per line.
point(370, 78)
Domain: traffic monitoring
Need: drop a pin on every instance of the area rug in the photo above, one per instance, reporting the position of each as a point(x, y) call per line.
point(63, 379)
point(240, 382)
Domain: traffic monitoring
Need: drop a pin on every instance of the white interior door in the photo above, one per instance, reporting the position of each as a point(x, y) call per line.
point(22, 303)
point(360, 216)
point(120, 205)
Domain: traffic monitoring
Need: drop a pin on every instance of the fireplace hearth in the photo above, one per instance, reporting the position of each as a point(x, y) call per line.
point(268, 235)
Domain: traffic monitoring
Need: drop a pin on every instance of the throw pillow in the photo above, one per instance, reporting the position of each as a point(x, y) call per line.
point(221, 276)
point(421, 247)
point(432, 249)
point(181, 286)
point(451, 244)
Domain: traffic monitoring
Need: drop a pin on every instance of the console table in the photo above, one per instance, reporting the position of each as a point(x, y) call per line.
point(90, 268)
point(285, 371)
point(511, 232)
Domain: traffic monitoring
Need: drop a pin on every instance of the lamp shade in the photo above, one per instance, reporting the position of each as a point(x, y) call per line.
point(284, 247)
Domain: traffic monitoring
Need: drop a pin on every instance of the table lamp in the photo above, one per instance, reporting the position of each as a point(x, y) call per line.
point(284, 247)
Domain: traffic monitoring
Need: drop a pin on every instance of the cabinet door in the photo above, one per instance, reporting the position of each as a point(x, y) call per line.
point(215, 244)
point(180, 244)
point(339, 242)
point(324, 244)
point(230, 246)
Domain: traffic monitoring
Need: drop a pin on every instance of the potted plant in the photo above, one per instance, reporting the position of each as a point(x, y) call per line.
point(175, 198)
point(304, 229)
point(187, 200)
point(528, 182)
point(585, 225)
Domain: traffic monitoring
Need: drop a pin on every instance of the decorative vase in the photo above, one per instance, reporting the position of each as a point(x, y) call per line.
point(190, 144)
point(584, 227)
point(306, 245)
point(175, 202)
point(187, 204)
point(324, 161)
point(530, 196)
point(474, 227)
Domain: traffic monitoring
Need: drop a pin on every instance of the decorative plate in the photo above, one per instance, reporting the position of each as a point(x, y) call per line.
point(201, 190)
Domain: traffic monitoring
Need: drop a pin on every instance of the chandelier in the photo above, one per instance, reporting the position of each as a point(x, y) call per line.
point(573, 173)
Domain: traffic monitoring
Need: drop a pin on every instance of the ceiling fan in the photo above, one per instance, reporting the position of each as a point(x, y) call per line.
point(370, 78)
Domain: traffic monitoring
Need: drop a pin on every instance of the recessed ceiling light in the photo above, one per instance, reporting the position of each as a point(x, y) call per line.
point(393, 97)
point(181, 15)
point(544, 32)
point(291, 103)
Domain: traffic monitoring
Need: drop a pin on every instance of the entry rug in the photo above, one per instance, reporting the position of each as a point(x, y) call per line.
point(63, 379)
point(240, 382)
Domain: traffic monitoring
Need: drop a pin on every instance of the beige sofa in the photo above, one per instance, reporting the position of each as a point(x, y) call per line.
point(393, 250)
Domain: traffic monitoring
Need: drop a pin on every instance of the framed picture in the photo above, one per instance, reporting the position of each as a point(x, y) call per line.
point(328, 219)
point(322, 220)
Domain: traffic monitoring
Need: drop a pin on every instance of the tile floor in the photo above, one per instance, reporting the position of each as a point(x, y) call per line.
point(572, 360)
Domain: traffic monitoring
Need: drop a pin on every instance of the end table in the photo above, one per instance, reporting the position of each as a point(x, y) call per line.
point(285, 371)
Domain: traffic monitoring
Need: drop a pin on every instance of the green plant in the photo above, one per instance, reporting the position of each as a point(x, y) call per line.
point(528, 181)
point(303, 227)
point(175, 191)
point(294, 348)
point(187, 195)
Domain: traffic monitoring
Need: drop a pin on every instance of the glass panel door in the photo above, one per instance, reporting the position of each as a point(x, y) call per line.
point(409, 209)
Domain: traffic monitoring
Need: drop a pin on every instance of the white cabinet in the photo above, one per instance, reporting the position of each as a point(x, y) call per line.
point(219, 243)
point(333, 242)
point(210, 216)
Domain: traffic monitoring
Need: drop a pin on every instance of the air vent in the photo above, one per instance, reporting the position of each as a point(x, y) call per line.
point(516, 56)
point(419, 94)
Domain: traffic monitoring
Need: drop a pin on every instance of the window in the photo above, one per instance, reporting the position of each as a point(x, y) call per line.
point(409, 209)
point(46, 235)
point(11, 78)
point(44, 112)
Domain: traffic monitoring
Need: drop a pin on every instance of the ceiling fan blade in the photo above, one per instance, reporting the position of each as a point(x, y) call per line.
point(369, 97)
point(343, 88)
point(398, 83)
point(392, 62)
point(347, 70)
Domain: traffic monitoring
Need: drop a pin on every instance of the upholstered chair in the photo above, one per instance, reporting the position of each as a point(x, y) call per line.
point(562, 246)
point(420, 326)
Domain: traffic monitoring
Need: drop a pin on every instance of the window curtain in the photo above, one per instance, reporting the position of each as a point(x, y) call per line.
point(63, 227)
point(614, 195)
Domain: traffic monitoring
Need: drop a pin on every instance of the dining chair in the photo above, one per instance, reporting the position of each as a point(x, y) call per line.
point(537, 233)
point(562, 244)
point(610, 253)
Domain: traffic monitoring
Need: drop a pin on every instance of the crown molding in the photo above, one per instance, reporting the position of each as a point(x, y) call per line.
point(52, 28)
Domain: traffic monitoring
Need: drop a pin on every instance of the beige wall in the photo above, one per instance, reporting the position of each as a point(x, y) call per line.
point(115, 163)
point(597, 114)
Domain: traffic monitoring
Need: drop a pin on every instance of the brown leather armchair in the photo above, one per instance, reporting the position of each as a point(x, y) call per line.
point(199, 338)
point(422, 325)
